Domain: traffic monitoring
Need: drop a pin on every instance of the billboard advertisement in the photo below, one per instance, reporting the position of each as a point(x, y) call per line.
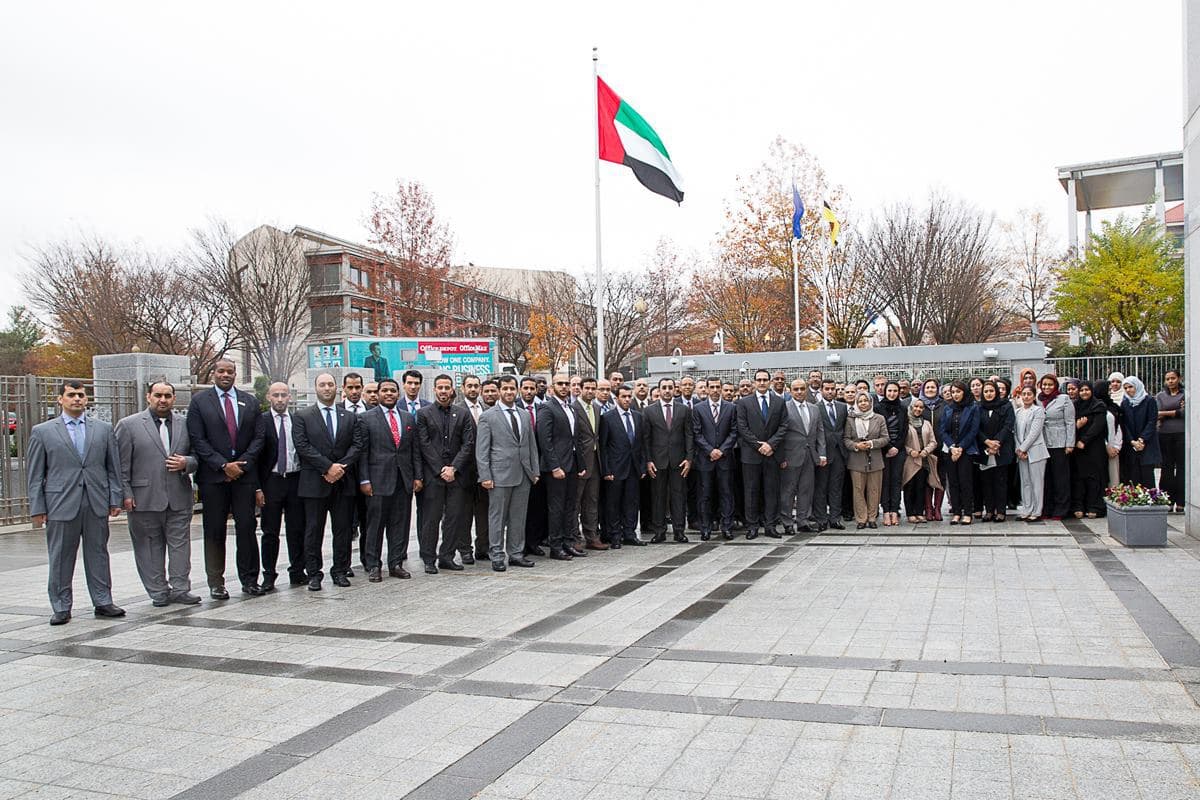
point(390, 357)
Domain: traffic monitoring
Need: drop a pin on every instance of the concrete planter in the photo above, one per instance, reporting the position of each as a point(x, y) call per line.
point(1138, 526)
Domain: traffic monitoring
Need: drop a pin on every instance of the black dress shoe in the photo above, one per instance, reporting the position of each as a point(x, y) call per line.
point(268, 582)
point(349, 573)
point(453, 566)
point(218, 593)
point(633, 542)
point(60, 617)
point(574, 552)
point(480, 557)
point(520, 562)
point(751, 534)
point(560, 555)
point(498, 566)
point(399, 572)
point(297, 580)
point(860, 526)
point(681, 538)
point(837, 526)
point(872, 525)
point(534, 551)
point(252, 589)
point(159, 602)
point(341, 580)
point(806, 529)
point(615, 545)
point(705, 536)
point(727, 535)
point(374, 576)
point(314, 584)
point(109, 610)
point(184, 599)
point(659, 538)
point(431, 569)
point(467, 558)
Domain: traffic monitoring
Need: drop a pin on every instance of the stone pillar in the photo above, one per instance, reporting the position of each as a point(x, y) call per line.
point(1191, 247)
point(1072, 216)
point(1160, 208)
point(138, 369)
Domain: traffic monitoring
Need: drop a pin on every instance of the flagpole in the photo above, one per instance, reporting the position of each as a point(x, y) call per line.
point(825, 302)
point(598, 294)
point(796, 290)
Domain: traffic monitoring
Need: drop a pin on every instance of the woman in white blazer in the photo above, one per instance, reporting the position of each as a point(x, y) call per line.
point(1032, 454)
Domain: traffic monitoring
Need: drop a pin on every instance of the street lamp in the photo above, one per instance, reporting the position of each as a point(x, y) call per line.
point(641, 307)
point(676, 359)
point(719, 341)
point(745, 370)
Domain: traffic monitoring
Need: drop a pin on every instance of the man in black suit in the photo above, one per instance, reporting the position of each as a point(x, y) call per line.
point(352, 399)
point(558, 433)
point(477, 496)
point(328, 441)
point(714, 423)
point(669, 447)
point(278, 495)
point(587, 419)
point(223, 428)
point(536, 519)
point(389, 472)
point(760, 432)
point(412, 402)
point(447, 450)
point(827, 486)
point(622, 464)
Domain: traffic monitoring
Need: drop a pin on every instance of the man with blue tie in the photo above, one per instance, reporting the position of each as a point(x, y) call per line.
point(74, 472)
point(622, 457)
point(226, 438)
point(760, 433)
point(715, 426)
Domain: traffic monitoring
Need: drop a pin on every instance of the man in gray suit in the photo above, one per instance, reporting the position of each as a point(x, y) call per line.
point(156, 468)
point(802, 451)
point(506, 457)
point(74, 473)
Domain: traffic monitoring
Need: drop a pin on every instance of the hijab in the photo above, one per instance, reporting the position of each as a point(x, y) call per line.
point(932, 404)
point(915, 420)
point(1007, 387)
point(1021, 377)
point(890, 408)
point(1116, 376)
point(865, 416)
point(1100, 391)
point(996, 401)
point(1139, 390)
point(1046, 398)
point(1086, 408)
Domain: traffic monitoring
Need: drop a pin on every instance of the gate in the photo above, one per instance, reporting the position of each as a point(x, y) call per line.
point(27, 400)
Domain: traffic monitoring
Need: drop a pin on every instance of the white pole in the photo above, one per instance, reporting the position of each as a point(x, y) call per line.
point(825, 303)
point(796, 290)
point(599, 292)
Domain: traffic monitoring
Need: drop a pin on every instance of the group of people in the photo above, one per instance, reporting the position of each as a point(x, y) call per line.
point(502, 469)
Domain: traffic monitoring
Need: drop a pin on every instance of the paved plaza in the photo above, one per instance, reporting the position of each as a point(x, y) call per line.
point(996, 661)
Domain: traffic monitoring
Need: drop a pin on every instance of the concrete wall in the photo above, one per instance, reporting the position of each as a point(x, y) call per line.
point(1191, 248)
point(141, 368)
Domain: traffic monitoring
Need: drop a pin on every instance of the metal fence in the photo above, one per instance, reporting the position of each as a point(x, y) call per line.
point(914, 371)
point(27, 400)
point(1095, 368)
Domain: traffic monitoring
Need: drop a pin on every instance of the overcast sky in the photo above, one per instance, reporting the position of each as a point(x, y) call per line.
point(138, 120)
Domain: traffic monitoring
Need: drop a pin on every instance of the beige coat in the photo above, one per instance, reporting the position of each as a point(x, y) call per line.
point(866, 460)
point(924, 440)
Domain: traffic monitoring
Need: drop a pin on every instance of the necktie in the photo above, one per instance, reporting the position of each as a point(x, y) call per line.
point(629, 427)
point(532, 418)
point(667, 413)
point(716, 408)
point(570, 416)
point(231, 423)
point(281, 460)
point(329, 422)
point(516, 426)
point(164, 433)
point(475, 412)
point(412, 406)
point(832, 416)
point(803, 415)
point(395, 426)
point(77, 436)
point(765, 410)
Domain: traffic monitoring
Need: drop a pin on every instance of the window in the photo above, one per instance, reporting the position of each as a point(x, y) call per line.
point(326, 319)
point(362, 321)
point(326, 277)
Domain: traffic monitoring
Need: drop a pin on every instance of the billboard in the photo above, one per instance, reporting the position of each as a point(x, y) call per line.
point(390, 357)
point(321, 356)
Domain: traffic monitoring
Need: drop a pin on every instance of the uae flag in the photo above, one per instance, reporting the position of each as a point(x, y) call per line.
point(626, 138)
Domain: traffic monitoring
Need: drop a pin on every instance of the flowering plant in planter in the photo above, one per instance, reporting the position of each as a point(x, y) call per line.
point(1124, 495)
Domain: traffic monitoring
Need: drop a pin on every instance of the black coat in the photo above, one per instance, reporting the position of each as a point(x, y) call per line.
point(447, 440)
point(997, 423)
point(618, 456)
point(210, 437)
point(317, 453)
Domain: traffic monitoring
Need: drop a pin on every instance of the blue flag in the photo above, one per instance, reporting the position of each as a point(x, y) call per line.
point(798, 214)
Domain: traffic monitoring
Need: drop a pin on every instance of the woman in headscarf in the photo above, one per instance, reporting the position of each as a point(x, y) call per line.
point(1031, 454)
point(996, 423)
point(893, 413)
point(1026, 377)
point(935, 406)
point(1114, 439)
point(1089, 462)
point(1170, 438)
point(1059, 433)
point(1139, 416)
point(960, 432)
point(1005, 385)
point(866, 438)
point(920, 474)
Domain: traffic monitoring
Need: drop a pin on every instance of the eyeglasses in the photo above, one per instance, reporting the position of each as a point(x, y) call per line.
point(560, 383)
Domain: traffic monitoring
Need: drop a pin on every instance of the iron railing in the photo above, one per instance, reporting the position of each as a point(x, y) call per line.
point(1150, 368)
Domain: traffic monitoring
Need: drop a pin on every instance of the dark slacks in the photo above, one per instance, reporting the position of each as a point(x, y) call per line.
point(1089, 474)
point(587, 497)
point(739, 492)
point(536, 518)
point(914, 493)
point(1058, 484)
point(621, 512)
point(962, 485)
point(893, 474)
point(993, 487)
point(562, 512)
point(283, 507)
point(390, 516)
point(668, 490)
point(445, 506)
point(1173, 477)
point(340, 510)
point(761, 483)
point(716, 493)
point(645, 504)
point(477, 513)
point(219, 500)
point(827, 488)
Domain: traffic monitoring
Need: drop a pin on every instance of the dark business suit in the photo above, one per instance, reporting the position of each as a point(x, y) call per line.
point(447, 438)
point(716, 477)
point(587, 490)
point(667, 447)
point(645, 492)
point(692, 481)
point(625, 460)
point(209, 436)
point(536, 516)
point(558, 448)
point(412, 407)
point(318, 452)
point(391, 470)
point(477, 496)
point(760, 474)
point(282, 504)
point(827, 485)
point(802, 450)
